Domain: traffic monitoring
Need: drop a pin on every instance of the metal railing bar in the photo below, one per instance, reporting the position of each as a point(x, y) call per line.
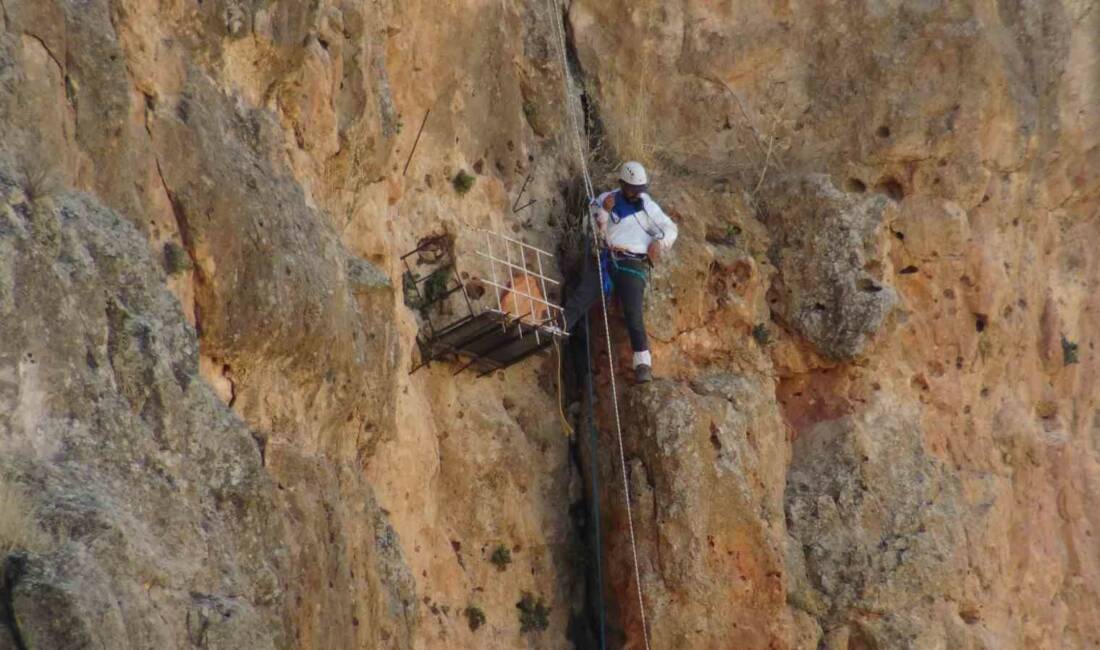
point(518, 268)
point(530, 300)
point(493, 268)
point(538, 258)
point(512, 276)
point(516, 241)
point(525, 295)
point(552, 330)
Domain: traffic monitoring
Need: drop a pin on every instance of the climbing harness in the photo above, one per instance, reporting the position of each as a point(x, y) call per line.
point(558, 14)
point(641, 273)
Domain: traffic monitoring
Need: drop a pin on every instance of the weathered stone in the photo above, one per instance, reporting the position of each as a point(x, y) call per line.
point(830, 249)
point(708, 519)
point(243, 461)
point(876, 519)
point(145, 482)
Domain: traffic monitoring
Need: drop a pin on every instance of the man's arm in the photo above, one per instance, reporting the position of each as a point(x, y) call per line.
point(665, 224)
point(601, 212)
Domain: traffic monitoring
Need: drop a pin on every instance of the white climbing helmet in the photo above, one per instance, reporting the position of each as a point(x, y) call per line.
point(632, 173)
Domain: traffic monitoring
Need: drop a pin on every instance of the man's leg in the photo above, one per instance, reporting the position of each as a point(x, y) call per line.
point(630, 285)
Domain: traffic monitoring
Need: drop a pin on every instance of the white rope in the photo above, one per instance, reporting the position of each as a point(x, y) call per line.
point(557, 13)
point(589, 188)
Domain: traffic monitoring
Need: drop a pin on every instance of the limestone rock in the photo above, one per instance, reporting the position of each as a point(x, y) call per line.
point(877, 521)
point(152, 492)
point(703, 459)
point(874, 423)
point(830, 249)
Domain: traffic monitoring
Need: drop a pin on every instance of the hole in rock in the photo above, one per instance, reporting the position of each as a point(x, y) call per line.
point(970, 615)
point(891, 188)
point(980, 322)
point(883, 131)
point(855, 185)
point(908, 270)
point(869, 285)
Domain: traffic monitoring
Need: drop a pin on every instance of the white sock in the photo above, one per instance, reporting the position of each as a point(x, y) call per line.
point(643, 358)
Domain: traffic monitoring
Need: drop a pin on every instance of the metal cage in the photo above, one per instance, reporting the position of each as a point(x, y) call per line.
point(523, 322)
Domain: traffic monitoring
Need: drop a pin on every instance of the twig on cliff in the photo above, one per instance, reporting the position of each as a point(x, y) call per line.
point(416, 142)
point(757, 139)
point(767, 159)
point(515, 209)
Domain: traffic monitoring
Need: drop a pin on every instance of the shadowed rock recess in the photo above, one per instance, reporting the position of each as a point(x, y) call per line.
point(876, 418)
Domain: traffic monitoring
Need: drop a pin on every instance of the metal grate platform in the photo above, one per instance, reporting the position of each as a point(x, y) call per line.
point(524, 321)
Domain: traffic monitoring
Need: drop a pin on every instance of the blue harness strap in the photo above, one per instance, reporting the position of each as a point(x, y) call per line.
point(605, 271)
point(624, 209)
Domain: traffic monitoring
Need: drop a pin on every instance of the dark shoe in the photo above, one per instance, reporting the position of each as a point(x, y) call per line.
point(643, 374)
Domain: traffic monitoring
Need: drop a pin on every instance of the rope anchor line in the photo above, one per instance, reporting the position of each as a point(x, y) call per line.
point(558, 15)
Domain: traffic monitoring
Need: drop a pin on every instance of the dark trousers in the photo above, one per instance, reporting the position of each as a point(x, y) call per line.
point(628, 277)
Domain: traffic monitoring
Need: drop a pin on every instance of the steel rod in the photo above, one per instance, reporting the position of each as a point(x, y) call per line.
point(520, 195)
point(493, 269)
point(465, 294)
point(416, 142)
point(525, 295)
point(512, 278)
point(530, 300)
point(542, 276)
point(516, 241)
point(518, 268)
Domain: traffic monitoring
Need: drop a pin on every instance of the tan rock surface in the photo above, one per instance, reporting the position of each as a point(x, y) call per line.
point(877, 419)
point(966, 121)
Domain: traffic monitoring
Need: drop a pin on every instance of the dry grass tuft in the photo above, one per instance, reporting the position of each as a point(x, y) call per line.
point(19, 530)
point(39, 178)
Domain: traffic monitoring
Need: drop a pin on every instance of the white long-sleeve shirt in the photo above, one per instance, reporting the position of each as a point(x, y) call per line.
point(633, 229)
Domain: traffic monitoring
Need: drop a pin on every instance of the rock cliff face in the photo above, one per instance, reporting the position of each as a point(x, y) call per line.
point(877, 418)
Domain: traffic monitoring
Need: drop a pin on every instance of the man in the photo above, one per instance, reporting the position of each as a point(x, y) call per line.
point(635, 232)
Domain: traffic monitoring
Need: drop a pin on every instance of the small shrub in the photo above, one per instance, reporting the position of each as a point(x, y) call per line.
point(475, 617)
point(761, 334)
point(534, 615)
point(18, 524)
point(435, 287)
point(463, 182)
point(39, 179)
point(1069, 352)
point(501, 557)
point(529, 110)
point(176, 260)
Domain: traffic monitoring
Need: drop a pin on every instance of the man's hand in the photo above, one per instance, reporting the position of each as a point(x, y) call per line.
point(655, 252)
point(609, 203)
